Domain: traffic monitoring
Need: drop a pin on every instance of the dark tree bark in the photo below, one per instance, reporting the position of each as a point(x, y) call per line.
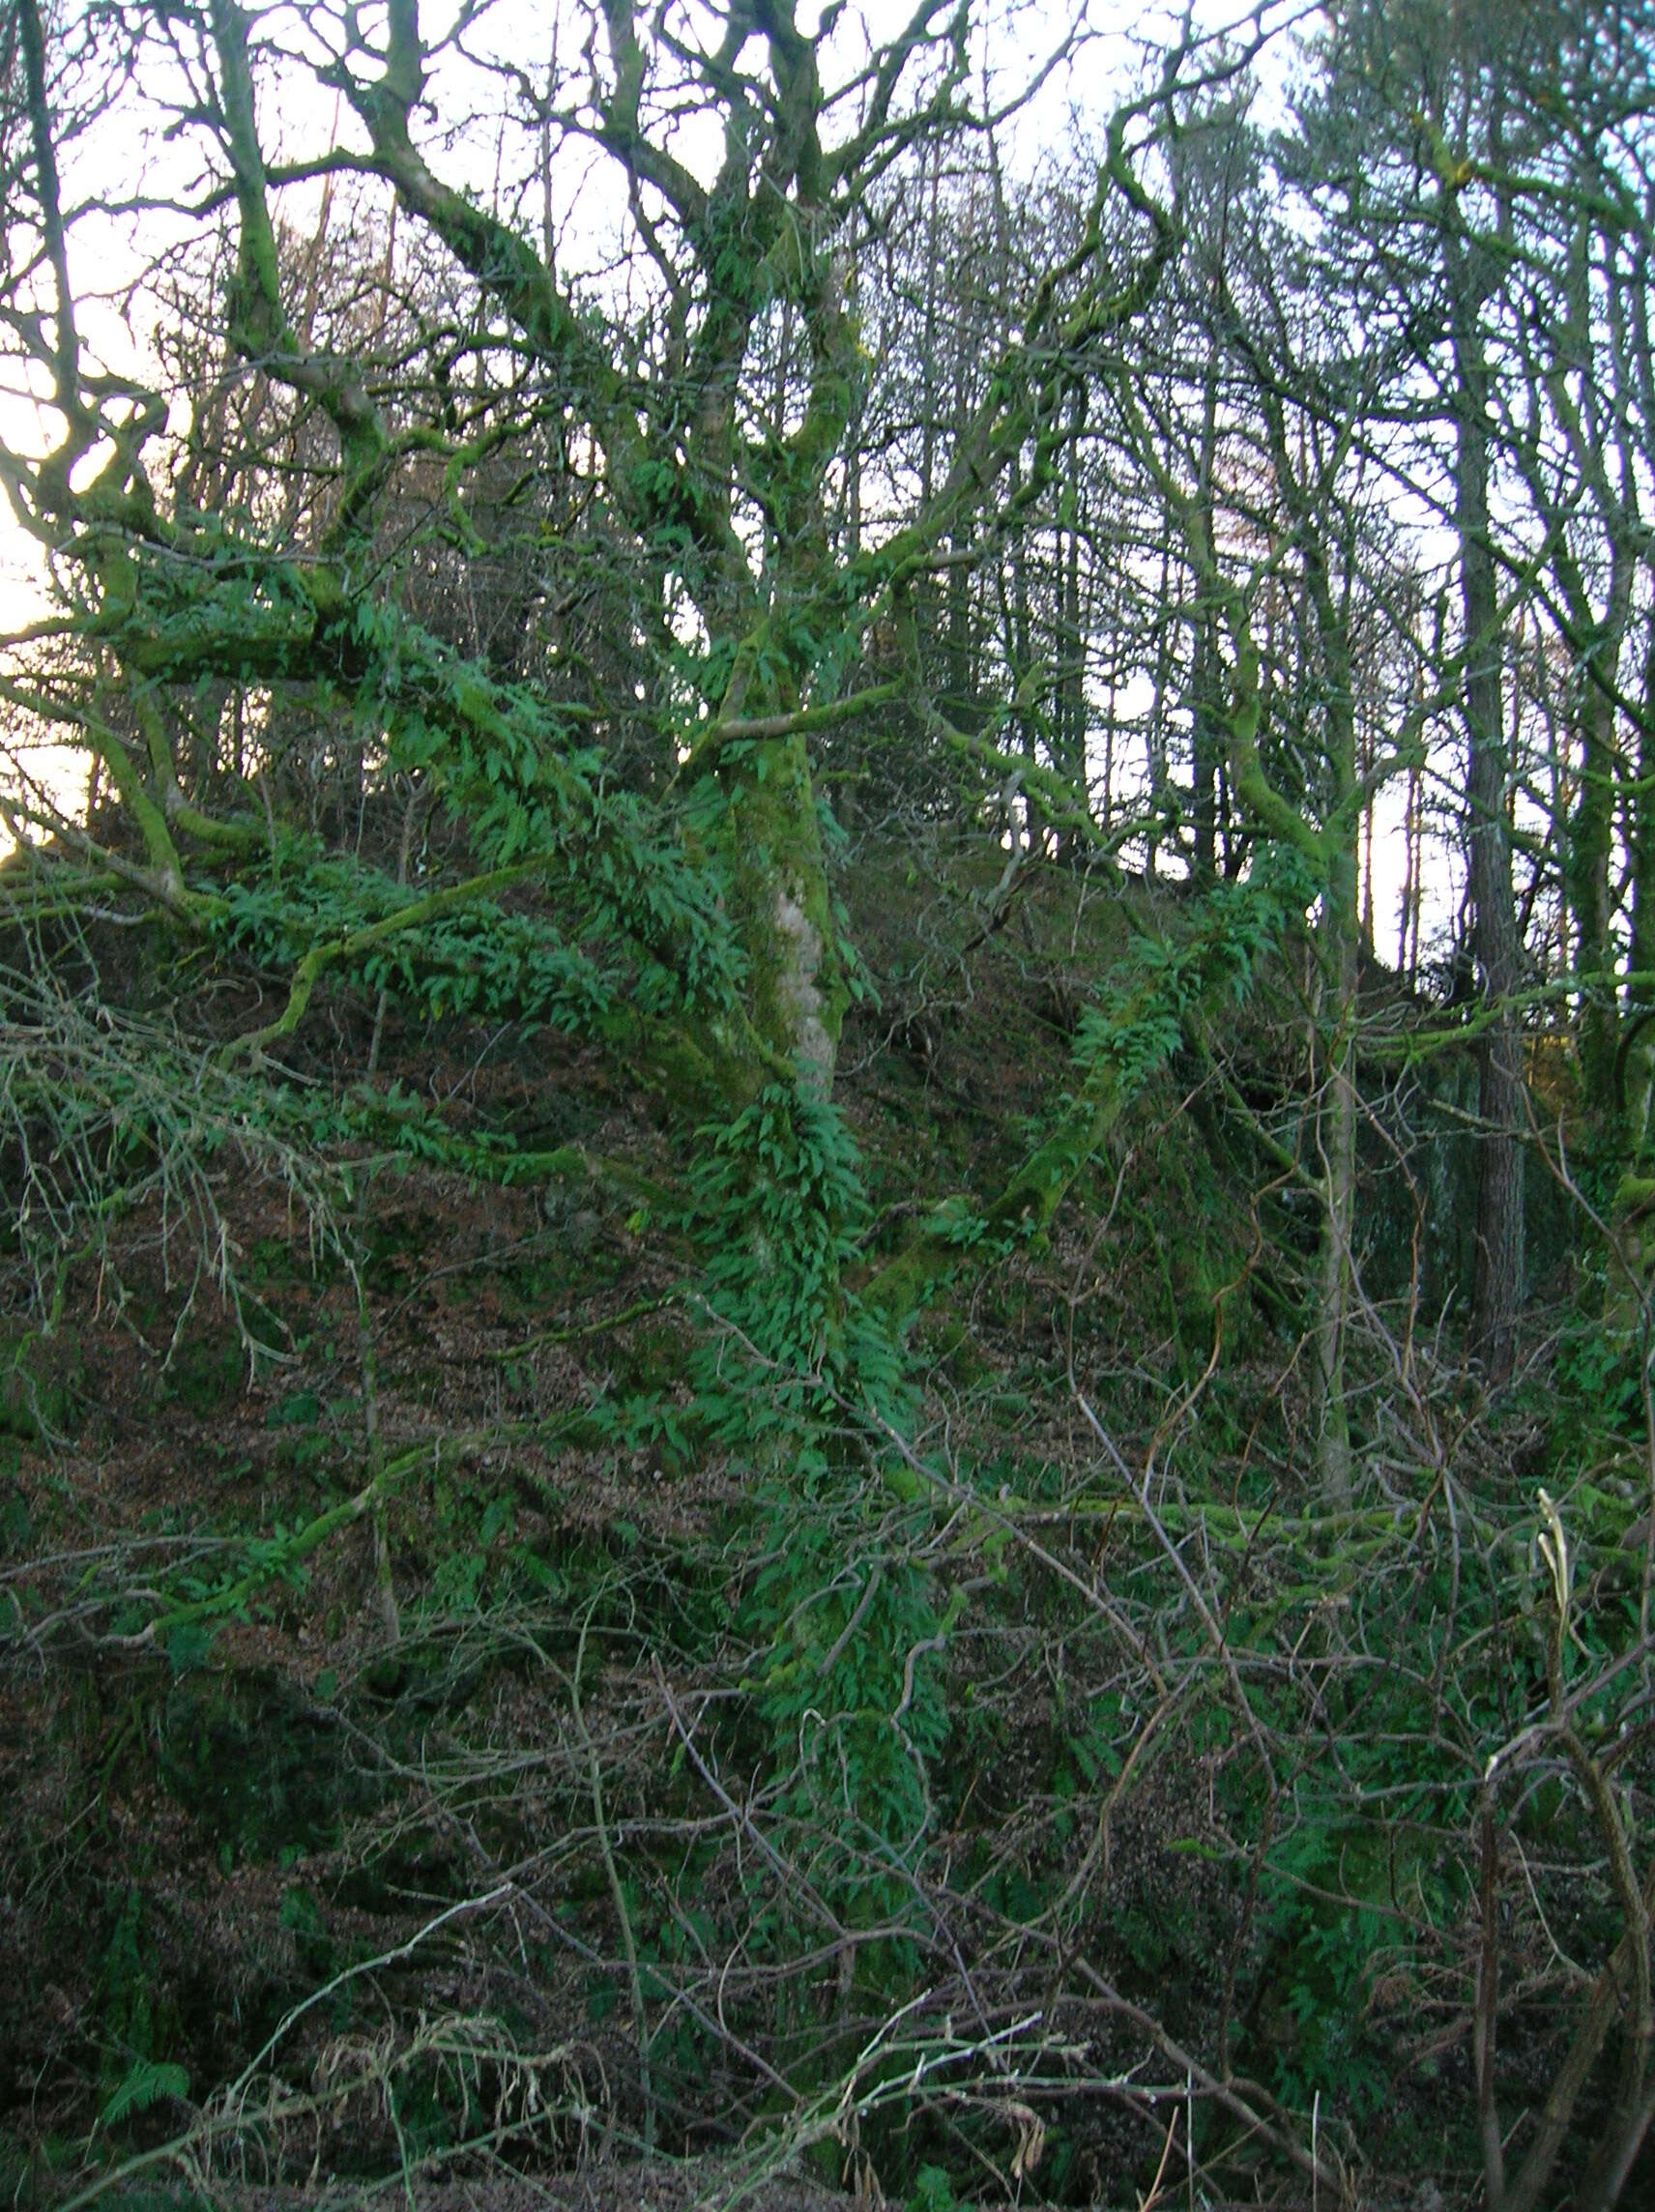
point(1496, 946)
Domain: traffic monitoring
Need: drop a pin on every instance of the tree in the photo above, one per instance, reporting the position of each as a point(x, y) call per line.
point(724, 492)
point(1406, 118)
point(1572, 419)
point(618, 818)
point(1252, 444)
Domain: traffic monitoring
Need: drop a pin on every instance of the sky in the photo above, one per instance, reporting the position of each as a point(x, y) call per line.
point(105, 255)
point(1105, 60)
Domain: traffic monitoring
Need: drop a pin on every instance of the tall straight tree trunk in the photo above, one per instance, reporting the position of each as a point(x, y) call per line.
point(1498, 1280)
point(1337, 941)
point(1336, 1137)
point(1205, 738)
point(1155, 728)
point(1591, 833)
point(1637, 1075)
point(1070, 719)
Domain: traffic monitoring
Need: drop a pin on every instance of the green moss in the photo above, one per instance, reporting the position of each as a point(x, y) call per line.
point(258, 1767)
point(208, 1370)
point(783, 905)
point(43, 1385)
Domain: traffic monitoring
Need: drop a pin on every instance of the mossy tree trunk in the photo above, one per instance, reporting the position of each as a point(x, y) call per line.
point(715, 442)
point(1309, 452)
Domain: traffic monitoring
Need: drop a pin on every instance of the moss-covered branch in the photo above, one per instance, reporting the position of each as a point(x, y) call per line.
point(1022, 1208)
point(355, 943)
point(1121, 1050)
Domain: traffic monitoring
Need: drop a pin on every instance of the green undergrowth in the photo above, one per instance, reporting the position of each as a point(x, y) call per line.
point(526, 1617)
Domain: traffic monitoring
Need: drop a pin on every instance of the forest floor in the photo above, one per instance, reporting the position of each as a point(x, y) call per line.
point(189, 1813)
point(368, 1802)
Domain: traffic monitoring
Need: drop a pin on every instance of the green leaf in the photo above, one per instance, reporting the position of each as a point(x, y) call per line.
point(300, 1410)
point(148, 2083)
point(188, 1646)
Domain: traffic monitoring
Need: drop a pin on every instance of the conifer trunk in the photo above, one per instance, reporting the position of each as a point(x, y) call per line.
point(1498, 1280)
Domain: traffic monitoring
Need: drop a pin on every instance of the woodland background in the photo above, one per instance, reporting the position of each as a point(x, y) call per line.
point(826, 959)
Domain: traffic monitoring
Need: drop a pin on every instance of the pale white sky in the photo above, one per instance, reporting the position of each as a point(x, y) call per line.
point(105, 256)
point(1106, 60)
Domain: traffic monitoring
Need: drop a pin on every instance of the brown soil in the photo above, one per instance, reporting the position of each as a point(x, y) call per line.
point(698, 2185)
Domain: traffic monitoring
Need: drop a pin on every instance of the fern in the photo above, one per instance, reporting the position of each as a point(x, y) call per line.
point(147, 2083)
